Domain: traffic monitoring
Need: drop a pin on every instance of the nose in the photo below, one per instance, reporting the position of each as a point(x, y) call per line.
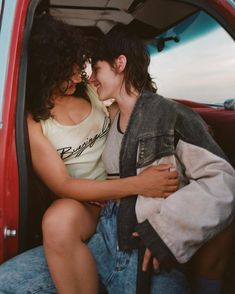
point(92, 78)
point(76, 78)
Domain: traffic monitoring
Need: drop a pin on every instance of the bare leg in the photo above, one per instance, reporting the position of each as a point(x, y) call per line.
point(66, 224)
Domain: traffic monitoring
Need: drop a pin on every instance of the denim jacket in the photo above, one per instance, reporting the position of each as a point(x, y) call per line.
point(161, 130)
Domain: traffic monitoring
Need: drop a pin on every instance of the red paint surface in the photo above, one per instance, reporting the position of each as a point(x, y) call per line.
point(9, 185)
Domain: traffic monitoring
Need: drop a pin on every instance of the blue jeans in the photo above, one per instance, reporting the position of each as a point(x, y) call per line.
point(28, 272)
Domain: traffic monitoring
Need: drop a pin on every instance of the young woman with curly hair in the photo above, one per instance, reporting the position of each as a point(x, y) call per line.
point(67, 127)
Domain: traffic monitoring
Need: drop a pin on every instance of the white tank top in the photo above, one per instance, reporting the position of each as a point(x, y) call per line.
point(112, 148)
point(80, 146)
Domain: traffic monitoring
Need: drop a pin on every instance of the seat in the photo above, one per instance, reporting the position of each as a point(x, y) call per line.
point(221, 123)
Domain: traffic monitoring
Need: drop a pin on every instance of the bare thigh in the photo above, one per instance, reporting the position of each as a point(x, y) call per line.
point(70, 218)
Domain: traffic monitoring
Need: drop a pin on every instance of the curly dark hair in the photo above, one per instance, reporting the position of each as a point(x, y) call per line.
point(54, 48)
point(119, 41)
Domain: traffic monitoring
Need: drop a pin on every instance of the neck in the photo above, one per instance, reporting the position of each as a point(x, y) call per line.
point(60, 99)
point(126, 103)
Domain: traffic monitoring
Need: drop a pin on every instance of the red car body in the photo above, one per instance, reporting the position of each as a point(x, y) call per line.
point(9, 173)
point(11, 179)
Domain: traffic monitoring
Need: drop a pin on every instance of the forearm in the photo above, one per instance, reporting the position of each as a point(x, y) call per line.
point(85, 189)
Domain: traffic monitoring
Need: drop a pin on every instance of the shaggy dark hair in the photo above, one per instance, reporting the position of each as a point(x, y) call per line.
point(54, 48)
point(117, 42)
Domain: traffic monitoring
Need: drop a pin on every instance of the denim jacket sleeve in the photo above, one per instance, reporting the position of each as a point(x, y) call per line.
point(202, 208)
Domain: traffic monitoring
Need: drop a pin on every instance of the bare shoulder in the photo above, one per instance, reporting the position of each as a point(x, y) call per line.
point(113, 109)
point(34, 127)
point(38, 142)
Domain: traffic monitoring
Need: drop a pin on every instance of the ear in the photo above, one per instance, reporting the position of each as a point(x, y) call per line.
point(120, 63)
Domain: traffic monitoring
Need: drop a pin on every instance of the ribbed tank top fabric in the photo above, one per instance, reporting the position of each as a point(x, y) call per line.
point(112, 148)
point(80, 146)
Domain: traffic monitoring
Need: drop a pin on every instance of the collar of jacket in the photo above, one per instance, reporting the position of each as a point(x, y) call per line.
point(139, 125)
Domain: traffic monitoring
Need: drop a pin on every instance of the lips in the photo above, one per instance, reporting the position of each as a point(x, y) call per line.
point(97, 86)
point(72, 87)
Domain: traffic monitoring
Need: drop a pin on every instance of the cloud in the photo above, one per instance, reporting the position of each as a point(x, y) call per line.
point(202, 70)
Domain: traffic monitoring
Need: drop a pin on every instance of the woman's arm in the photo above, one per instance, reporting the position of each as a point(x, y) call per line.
point(157, 181)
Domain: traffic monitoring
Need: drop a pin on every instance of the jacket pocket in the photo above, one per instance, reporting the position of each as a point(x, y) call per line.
point(154, 146)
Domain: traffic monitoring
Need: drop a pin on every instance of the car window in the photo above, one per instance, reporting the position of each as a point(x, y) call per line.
point(1, 3)
point(7, 16)
point(201, 69)
point(232, 2)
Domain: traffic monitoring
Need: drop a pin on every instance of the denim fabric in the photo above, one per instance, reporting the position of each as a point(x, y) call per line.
point(155, 126)
point(118, 269)
point(28, 272)
point(207, 286)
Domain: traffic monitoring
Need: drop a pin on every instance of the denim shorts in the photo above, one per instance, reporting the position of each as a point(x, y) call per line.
point(118, 269)
point(28, 273)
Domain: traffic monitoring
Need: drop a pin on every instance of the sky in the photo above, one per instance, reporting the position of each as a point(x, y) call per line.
point(202, 70)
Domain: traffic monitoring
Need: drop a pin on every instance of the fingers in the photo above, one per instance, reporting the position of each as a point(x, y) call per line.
point(160, 171)
point(169, 190)
point(171, 186)
point(162, 167)
point(156, 264)
point(172, 182)
point(146, 260)
point(172, 174)
point(159, 181)
point(135, 234)
point(166, 170)
point(97, 203)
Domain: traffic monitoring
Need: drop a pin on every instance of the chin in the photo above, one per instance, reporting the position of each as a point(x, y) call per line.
point(70, 92)
point(102, 98)
point(99, 95)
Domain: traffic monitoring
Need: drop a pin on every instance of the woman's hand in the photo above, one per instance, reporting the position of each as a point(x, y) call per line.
point(148, 258)
point(155, 181)
point(158, 181)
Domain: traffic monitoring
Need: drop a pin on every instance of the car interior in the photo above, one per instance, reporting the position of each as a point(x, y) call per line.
point(150, 19)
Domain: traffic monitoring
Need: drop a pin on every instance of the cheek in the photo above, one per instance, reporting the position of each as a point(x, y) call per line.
point(79, 79)
point(76, 79)
point(71, 89)
point(63, 86)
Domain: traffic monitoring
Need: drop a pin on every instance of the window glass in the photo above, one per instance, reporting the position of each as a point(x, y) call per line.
point(1, 7)
point(7, 16)
point(232, 2)
point(200, 69)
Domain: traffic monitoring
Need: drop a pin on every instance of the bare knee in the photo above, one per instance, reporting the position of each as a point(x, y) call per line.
point(61, 223)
